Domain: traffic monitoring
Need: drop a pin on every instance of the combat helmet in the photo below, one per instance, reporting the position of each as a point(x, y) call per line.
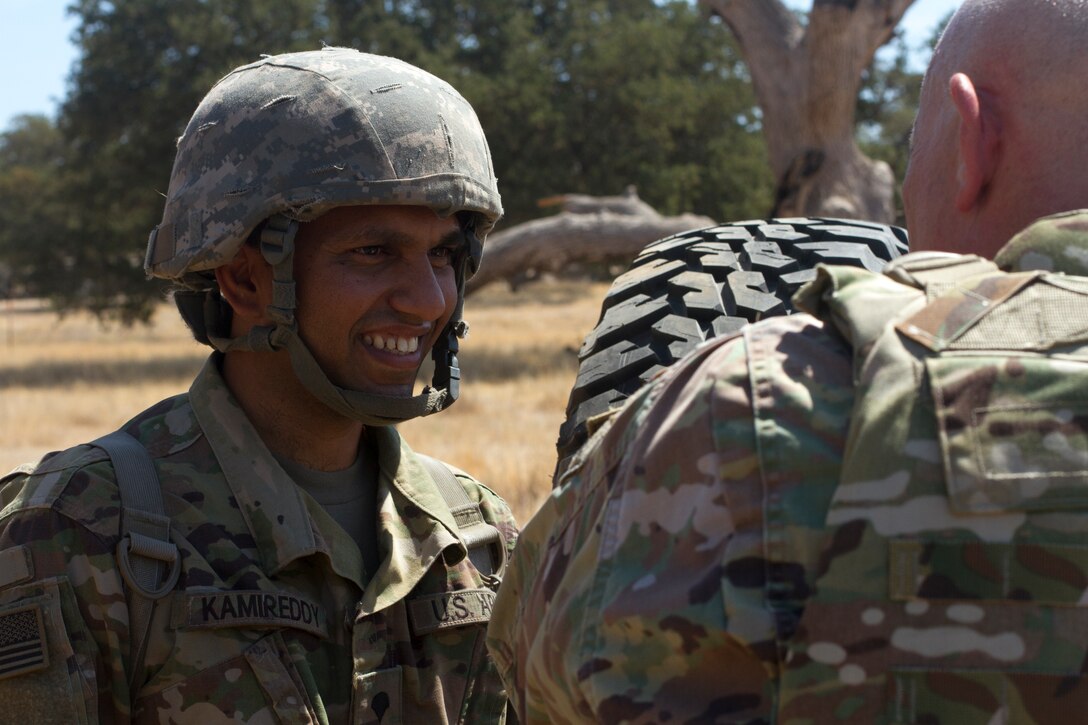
point(283, 140)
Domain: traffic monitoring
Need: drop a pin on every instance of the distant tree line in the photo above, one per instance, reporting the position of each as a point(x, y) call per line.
point(575, 97)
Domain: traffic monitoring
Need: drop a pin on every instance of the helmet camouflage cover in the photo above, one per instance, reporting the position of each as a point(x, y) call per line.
point(301, 133)
point(289, 137)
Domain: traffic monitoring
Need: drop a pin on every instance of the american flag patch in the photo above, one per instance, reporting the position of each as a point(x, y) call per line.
point(22, 642)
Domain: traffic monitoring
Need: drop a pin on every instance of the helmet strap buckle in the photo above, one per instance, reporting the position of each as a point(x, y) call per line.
point(447, 370)
point(278, 249)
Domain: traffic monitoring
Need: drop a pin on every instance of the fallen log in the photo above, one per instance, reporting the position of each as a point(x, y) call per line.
point(589, 235)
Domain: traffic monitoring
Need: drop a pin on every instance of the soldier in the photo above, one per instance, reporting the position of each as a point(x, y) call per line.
point(876, 512)
point(299, 562)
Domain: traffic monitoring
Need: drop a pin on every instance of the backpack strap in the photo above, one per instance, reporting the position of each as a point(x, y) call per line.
point(145, 550)
point(485, 543)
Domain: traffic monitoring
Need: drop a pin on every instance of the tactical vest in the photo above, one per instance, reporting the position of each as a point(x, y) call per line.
point(953, 582)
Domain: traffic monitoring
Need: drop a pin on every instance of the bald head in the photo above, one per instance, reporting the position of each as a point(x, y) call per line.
point(1027, 44)
point(1001, 137)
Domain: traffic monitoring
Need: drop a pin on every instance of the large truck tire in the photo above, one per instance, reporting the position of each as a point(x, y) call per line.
point(690, 287)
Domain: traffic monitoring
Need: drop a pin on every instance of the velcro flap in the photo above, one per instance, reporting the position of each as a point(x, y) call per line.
point(16, 566)
point(950, 315)
point(1013, 431)
point(984, 697)
point(450, 609)
point(1046, 574)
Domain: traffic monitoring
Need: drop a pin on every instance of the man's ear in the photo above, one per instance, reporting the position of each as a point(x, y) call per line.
point(979, 140)
point(246, 284)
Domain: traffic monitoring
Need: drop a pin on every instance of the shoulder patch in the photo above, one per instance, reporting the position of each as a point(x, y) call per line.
point(22, 641)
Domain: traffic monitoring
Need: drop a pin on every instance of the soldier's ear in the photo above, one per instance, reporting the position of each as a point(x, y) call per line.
point(979, 142)
point(246, 284)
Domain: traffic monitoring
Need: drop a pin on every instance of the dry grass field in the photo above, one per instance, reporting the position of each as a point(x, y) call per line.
point(68, 380)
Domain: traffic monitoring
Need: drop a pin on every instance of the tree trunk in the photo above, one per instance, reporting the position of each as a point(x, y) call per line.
point(590, 229)
point(807, 81)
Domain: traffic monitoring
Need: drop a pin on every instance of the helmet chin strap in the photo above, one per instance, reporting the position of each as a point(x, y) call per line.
point(277, 247)
point(447, 371)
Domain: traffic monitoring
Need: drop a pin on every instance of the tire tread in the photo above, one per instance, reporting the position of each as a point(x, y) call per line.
point(685, 289)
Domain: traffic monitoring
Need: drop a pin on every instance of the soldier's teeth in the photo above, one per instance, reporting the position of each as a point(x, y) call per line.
point(400, 345)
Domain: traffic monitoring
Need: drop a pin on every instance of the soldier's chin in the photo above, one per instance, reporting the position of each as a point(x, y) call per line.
point(399, 390)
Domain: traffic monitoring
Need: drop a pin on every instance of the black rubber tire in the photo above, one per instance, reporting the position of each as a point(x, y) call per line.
point(687, 288)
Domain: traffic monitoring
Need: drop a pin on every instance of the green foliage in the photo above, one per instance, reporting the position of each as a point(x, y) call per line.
point(144, 66)
point(587, 96)
point(35, 223)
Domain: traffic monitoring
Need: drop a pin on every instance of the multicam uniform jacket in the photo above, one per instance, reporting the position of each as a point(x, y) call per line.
point(273, 619)
point(874, 514)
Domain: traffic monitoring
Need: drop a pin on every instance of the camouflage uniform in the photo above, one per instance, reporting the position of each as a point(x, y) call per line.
point(274, 619)
point(872, 514)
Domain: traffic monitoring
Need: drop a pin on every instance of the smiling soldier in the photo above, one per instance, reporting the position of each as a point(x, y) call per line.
point(265, 548)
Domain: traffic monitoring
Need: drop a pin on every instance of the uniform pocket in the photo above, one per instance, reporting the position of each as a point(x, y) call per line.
point(261, 684)
point(969, 632)
point(451, 627)
point(485, 696)
point(1013, 432)
point(378, 699)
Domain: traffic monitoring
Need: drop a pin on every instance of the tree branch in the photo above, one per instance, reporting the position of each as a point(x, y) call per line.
point(552, 243)
point(874, 21)
point(766, 24)
point(772, 42)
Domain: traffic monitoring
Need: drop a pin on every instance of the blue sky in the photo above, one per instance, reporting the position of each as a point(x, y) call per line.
point(36, 52)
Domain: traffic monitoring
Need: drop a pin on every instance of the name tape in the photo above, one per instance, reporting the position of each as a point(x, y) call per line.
point(450, 609)
point(206, 610)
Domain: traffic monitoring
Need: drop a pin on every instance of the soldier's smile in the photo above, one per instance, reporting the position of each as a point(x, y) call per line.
point(375, 289)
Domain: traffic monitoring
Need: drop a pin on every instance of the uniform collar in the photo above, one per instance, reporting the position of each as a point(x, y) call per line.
point(416, 526)
point(272, 505)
